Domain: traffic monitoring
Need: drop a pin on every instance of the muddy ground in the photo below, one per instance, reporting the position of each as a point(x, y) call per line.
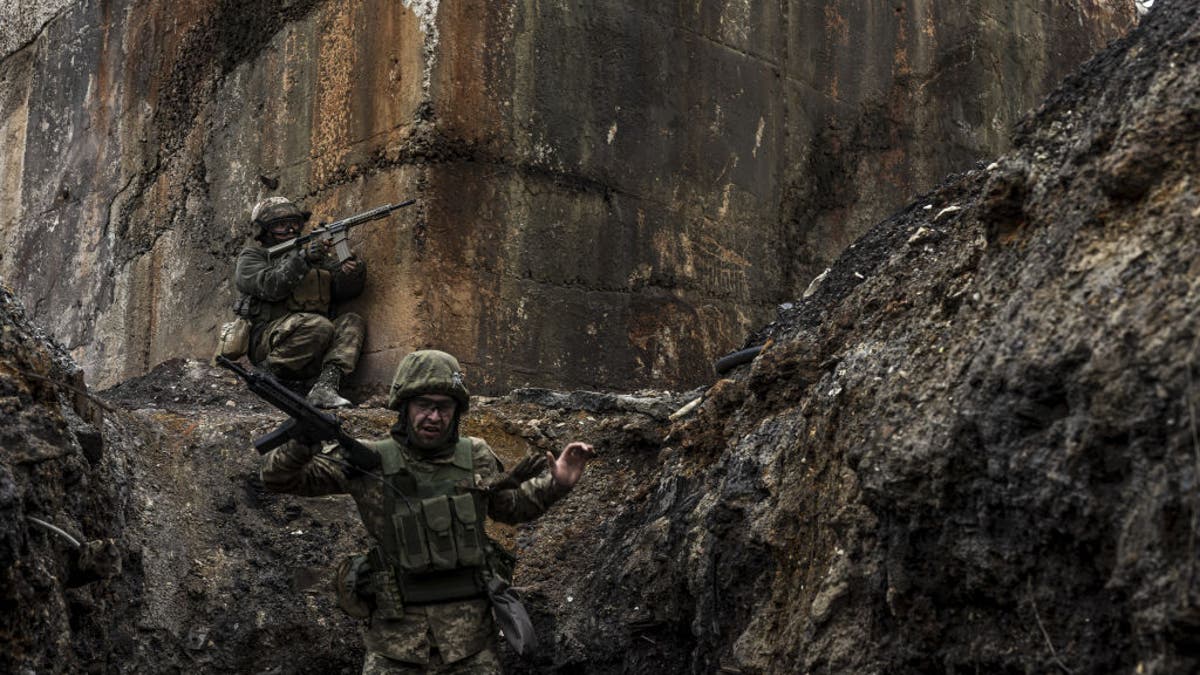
point(219, 575)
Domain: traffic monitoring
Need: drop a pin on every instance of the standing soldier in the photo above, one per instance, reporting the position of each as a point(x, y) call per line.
point(426, 583)
point(288, 299)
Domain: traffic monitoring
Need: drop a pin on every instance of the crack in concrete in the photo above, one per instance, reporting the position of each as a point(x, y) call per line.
point(667, 288)
point(776, 67)
point(656, 20)
point(112, 202)
point(36, 36)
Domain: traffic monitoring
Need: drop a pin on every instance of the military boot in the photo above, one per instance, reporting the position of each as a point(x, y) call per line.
point(324, 392)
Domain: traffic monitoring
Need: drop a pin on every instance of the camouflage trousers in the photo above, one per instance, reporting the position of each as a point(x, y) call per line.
point(298, 346)
point(486, 662)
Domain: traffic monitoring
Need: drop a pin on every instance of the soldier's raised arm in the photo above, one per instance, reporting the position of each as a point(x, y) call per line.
point(534, 496)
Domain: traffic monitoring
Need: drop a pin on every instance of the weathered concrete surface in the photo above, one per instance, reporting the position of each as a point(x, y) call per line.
point(610, 194)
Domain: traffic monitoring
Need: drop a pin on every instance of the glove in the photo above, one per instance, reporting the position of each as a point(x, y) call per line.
point(351, 582)
point(316, 250)
point(525, 469)
point(311, 442)
point(304, 444)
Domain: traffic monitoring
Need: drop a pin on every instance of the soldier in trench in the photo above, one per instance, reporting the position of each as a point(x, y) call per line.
point(289, 301)
point(426, 584)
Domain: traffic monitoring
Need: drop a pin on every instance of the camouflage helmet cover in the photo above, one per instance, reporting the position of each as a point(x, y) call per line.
point(276, 208)
point(428, 371)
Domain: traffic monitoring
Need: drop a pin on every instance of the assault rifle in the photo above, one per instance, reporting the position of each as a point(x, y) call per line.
point(307, 424)
point(337, 231)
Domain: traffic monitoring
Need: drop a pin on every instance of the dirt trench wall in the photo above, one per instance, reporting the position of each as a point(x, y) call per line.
point(610, 194)
point(53, 468)
point(972, 449)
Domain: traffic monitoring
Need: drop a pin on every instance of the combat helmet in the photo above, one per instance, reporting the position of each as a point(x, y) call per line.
point(428, 371)
point(272, 209)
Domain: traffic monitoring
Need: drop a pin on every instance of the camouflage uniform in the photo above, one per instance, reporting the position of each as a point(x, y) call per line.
point(289, 300)
point(457, 636)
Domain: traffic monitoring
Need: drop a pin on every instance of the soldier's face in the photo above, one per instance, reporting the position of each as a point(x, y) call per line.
point(429, 419)
point(284, 230)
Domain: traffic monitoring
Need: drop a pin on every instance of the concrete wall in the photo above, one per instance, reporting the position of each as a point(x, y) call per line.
point(610, 194)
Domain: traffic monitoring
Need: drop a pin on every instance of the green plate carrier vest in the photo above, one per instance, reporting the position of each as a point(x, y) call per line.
point(433, 547)
point(312, 294)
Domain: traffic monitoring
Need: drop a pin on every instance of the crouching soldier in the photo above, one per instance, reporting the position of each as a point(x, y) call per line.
point(288, 300)
point(426, 584)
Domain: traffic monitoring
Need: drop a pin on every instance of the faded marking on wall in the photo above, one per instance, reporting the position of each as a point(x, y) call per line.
point(736, 22)
point(836, 26)
point(336, 70)
point(14, 121)
point(900, 65)
point(426, 11)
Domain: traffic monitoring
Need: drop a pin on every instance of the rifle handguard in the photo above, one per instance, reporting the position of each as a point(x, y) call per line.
point(290, 430)
point(282, 434)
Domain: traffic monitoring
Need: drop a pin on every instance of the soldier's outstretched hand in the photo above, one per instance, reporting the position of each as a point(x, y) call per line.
point(568, 467)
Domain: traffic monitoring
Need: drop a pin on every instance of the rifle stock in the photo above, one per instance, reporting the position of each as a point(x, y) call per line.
point(306, 424)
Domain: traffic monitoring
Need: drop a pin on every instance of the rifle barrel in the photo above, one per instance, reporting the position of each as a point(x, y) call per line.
point(338, 226)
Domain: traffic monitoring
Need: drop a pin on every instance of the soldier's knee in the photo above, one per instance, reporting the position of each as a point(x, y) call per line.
point(316, 326)
point(352, 320)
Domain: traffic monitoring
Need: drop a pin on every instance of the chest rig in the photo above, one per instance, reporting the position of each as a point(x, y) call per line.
point(432, 547)
point(313, 294)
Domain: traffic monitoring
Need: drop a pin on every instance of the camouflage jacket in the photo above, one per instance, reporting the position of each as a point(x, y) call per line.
point(457, 629)
point(271, 289)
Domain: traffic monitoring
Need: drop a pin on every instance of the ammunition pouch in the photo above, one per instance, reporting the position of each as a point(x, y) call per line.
point(444, 532)
point(394, 588)
point(234, 340)
point(433, 547)
point(389, 603)
point(247, 306)
point(313, 293)
point(352, 584)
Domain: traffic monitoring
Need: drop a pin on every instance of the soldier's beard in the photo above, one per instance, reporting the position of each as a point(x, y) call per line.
point(431, 446)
